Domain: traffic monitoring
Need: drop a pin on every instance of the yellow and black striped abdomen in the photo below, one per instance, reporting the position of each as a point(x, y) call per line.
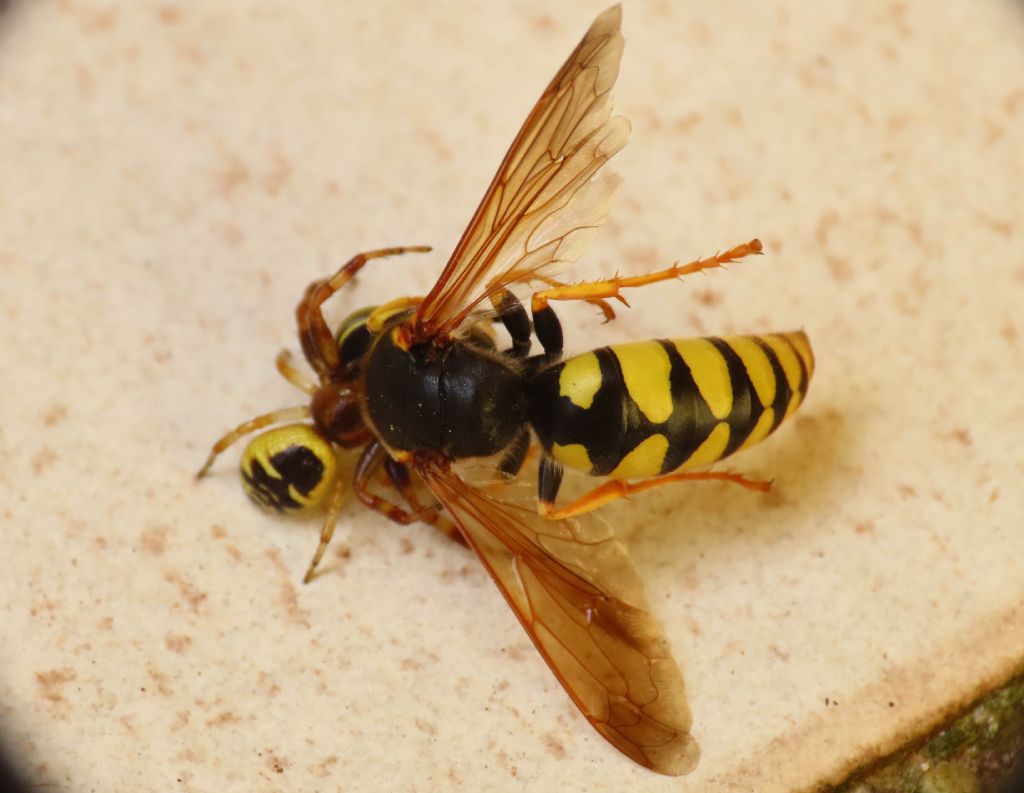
point(650, 407)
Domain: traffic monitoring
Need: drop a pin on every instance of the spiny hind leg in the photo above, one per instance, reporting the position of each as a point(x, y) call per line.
point(612, 287)
point(603, 305)
point(250, 426)
point(618, 488)
point(314, 334)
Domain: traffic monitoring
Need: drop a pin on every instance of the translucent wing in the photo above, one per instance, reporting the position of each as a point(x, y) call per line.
point(575, 591)
point(543, 205)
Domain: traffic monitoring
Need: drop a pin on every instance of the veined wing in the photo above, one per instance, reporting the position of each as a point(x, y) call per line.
point(543, 205)
point(575, 591)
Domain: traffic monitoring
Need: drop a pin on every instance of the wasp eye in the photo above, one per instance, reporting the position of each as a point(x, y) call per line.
point(288, 469)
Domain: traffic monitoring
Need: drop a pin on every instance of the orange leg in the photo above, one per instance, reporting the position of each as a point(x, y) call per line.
point(369, 463)
point(291, 374)
point(368, 466)
point(612, 287)
point(258, 423)
point(617, 488)
point(327, 531)
point(317, 340)
point(397, 476)
point(603, 305)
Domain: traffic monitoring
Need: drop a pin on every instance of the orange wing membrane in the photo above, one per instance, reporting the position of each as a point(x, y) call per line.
point(575, 591)
point(543, 206)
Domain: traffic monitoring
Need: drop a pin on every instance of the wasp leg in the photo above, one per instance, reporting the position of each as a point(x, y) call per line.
point(603, 305)
point(549, 332)
point(611, 288)
point(291, 374)
point(327, 530)
point(481, 335)
point(546, 324)
point(369, 462)
point(617, 488)
point(398, 476)
point(512, 461)
point(318, 343)
point(513, 317)
point(258, 423)
point(549, 480)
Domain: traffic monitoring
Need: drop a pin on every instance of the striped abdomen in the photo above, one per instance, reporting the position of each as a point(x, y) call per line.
point(650, 407)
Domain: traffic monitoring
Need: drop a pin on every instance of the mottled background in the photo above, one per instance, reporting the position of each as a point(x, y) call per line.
point(173, 174)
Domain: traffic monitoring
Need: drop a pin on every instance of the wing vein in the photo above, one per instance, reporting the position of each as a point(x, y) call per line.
point(583, 606)
point(543, 187)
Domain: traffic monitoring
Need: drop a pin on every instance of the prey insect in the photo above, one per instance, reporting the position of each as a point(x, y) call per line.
point(419, 384)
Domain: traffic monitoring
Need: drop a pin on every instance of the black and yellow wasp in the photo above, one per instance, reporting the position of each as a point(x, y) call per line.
point(419, 385)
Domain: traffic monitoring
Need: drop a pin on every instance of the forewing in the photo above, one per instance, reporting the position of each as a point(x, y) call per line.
point(574, 589)
point(543, 205)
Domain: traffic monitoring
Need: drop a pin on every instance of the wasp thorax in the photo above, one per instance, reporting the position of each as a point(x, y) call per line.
point(288, 469)
point(337, 415)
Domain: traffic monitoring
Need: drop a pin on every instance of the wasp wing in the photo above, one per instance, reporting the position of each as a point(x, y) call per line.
point(543, 205)
point(575, 591)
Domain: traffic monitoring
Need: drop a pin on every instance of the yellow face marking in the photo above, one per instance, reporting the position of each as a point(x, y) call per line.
point(257, 461)
point(572, 455)
point(710, 373)
point(580, 379)
point(644, 460)
point(711, 450)
point(759, 368)
point(761, 429)
point(646, 368)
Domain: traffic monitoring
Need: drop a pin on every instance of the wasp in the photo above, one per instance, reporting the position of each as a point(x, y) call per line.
point(418, 385)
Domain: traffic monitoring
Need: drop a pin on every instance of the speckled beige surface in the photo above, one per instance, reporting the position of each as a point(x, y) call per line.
point(171, 176)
